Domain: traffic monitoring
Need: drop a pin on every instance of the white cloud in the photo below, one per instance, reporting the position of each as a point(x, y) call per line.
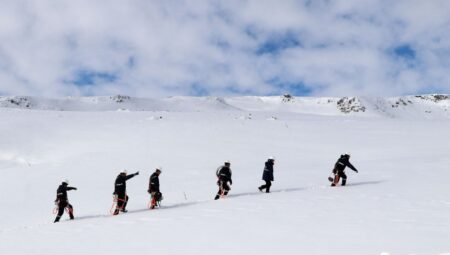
point(157, 48)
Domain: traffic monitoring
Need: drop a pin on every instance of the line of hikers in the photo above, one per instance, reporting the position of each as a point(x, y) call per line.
point(224, 181)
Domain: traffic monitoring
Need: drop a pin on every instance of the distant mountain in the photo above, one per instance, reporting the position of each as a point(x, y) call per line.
point(427, 106)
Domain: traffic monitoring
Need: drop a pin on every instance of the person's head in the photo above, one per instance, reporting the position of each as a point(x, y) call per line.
point(123, 172)
point(346, 155)
point(271, 158)
point(65, 182)
point(158, 170)
point(227, 163)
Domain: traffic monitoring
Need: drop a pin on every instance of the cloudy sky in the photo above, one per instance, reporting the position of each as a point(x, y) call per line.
point(154, 48)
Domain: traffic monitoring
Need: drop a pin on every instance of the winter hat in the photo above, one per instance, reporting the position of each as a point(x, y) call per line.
point(65, 181)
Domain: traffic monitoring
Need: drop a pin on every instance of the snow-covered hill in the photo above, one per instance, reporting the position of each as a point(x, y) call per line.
point(398, 203)
point(423, 106)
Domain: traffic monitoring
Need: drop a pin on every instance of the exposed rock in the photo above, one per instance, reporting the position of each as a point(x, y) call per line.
point(287, 98)
point(20, 102)
point(120, 98)
point(348, 105)
point(435, 97)
point(401, 102)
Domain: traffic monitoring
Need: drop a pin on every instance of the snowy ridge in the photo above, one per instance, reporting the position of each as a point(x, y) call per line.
point(423, 106)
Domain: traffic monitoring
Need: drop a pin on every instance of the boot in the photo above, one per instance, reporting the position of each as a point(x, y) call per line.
point(217, 197)
point(57, 219)
point(344, 181)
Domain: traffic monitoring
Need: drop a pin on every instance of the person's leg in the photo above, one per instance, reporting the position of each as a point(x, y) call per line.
point(268, 184)
point(226, 188)
point(125, 204)
point(336, 180)
point(219, 193)
point(119, 203)
point(70, 207)
point(60, 212)
point(153, 202)
point(344, 178)
point(263, 186)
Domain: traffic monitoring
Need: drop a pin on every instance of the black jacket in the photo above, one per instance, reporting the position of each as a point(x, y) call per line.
point(224, 174)
point(341, 163)
point(268, 171)
point(120, 186)
point(61, 193)
point(153, 183)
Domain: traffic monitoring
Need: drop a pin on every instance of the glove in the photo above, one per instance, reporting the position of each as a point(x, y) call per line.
point(148, 191)
point(231, 182)
point(356, 170)
point(137, 173)
point(74, 188)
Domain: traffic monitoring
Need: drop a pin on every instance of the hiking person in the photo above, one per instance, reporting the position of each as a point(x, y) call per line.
point(339, 170)
point(223, 174)
point(267, 175)
point(120, 190)
point(62, 201)
point(153, 188)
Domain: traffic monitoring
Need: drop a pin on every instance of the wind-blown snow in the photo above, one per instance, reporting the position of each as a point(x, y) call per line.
point(398, 203)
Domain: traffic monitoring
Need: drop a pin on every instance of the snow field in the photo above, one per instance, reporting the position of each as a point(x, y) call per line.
point(398, 203)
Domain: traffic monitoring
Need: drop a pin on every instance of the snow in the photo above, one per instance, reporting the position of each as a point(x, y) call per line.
point(398, 203)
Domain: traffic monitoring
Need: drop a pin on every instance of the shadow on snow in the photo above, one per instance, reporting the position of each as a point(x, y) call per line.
point(186, 204)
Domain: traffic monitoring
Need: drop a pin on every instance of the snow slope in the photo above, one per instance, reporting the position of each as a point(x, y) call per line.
point(398, 203)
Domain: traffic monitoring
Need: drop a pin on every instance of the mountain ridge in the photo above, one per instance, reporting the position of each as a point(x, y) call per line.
point(428, 105)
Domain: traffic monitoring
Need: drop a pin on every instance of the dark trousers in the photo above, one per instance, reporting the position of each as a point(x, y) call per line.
point(266, 186)
point(339, 175)
point(223, 188)
point(62, 205)
point(122, 200)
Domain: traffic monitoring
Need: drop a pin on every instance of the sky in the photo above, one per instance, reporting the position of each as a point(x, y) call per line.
point(157, 48)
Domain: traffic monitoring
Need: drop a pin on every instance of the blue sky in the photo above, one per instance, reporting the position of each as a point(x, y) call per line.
point(224, 48)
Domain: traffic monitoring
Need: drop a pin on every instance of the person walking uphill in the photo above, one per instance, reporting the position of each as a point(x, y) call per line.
point(223, 174)
point(120, 190)
point(153, 188)
point(339, 167)
point(62, 201)
point(267, 175)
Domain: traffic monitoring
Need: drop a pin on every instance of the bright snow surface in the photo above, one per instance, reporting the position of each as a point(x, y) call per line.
point(398, 203)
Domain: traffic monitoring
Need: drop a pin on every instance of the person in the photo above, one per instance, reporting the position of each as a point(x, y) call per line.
point(120, 191)
point(339, 167)
point(267, 175)
point(62, 201)
point(153, 188)
point(223, 174)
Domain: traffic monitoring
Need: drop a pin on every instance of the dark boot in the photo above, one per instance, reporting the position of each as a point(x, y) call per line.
point(217, 197)
point(344, 181)
point(225, 192)
point(57, 219)
point(260, 188)
point(116, 211)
